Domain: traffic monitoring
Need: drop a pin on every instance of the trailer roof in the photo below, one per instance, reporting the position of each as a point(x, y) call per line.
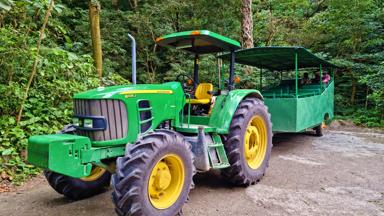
point(278, 58)
point(198, 42)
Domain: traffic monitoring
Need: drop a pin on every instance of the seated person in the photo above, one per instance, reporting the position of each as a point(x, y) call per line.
point(317, 78)
point(326, 78)
point(305, 80)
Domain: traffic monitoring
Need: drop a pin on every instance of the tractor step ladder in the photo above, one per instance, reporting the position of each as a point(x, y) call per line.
point(217, 154)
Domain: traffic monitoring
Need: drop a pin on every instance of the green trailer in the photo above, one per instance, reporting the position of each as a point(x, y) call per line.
point(294, 106)
point(149, 140)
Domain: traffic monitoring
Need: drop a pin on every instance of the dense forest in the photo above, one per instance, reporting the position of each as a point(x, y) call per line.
point(350, 33)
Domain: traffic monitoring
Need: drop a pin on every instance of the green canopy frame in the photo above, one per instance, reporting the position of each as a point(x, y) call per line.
point(281, 59)
point(201, 42)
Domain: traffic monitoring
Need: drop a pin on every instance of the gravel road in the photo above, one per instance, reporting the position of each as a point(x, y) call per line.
point(341, 173)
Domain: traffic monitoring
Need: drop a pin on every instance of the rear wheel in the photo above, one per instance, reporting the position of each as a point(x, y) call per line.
point(80, 188)
point(319, 130)
point(249, 142)
point(155, 175)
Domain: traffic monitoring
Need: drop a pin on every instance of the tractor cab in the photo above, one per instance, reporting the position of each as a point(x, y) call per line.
point(200, 93)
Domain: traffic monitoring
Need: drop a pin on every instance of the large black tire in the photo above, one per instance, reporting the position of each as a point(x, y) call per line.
point(77, 189)
point(318, 130)
point(240, 173)
point(134, 170)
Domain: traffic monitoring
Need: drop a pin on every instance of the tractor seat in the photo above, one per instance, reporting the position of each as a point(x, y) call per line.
point(202, 95)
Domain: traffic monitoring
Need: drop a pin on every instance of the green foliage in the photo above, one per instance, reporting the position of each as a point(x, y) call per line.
point(369, 118)
point(6, 4)
point(48, 108)
point(351, 32)
point(60, 74)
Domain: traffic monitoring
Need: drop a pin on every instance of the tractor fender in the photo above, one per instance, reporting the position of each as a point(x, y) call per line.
point(226, 106)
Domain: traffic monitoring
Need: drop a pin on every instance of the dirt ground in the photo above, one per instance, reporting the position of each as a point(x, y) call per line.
point(341, 173)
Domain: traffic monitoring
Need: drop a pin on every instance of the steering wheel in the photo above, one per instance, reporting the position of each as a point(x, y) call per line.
point(187, 87)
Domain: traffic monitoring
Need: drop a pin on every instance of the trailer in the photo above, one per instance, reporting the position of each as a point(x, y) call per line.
point(295, 105)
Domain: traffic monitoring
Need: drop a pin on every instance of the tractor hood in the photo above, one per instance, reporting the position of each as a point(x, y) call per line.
point(129, 90)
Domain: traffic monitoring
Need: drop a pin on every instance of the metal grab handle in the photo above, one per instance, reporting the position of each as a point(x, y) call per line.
point(133, 44)
point(189, 109)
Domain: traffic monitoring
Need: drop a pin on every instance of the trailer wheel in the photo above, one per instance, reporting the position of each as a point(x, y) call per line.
point(155, 175)
point(80, 188)
point(249, 142)
point(318, 130)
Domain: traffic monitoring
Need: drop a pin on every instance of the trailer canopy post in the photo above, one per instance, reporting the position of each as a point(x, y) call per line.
point(321, 76)
point(219, 63)
point(296, 74)
point(261, 79)
point(231, 71)
point(222, 77)
point(281, 76)
point(196, 71)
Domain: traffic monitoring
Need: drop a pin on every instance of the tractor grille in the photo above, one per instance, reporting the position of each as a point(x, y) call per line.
point(114, 111)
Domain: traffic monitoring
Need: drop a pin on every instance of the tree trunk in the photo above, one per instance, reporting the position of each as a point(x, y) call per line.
point(366, 97)
point(133, 4)
point(271, 28)
point(34, 69)
point(246, 24)
point(246, 27)
point(94, 19)
point(353, 92)
point(115, 4)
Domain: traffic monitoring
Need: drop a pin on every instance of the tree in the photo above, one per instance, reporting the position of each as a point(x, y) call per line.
point(246, 24)
point(247, 28)
point(94, 22)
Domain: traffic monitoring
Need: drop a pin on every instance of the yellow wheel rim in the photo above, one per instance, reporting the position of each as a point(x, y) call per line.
point(166, 181)
point(96, 173)
point(255, 142)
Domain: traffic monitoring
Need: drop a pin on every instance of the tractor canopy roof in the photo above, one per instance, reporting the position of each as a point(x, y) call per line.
point(198, 42)
point(278, 58)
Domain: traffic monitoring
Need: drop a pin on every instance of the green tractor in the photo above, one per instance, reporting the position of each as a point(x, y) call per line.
point(155, 137)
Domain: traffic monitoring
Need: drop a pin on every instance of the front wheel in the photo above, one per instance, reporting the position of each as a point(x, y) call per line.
point(155, 175)
point(79, 188)
point(249, 142)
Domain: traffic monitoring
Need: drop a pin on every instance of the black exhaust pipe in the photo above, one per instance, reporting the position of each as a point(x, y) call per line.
point(133, 45)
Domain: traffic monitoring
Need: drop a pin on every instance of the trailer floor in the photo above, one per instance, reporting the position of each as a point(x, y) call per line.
point(341, 173)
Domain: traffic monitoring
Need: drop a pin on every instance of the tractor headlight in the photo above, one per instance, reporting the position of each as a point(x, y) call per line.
point(88, 123)
point(76, 122)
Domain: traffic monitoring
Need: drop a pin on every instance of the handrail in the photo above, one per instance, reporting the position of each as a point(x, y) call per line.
point(189, 109)
point(277, 93)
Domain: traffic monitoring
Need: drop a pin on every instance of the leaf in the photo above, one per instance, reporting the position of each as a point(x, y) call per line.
point(7, 152)
point(6, 4)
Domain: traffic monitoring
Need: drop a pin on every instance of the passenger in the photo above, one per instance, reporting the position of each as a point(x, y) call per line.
point(326, 78)
point(317, 78)
point(305, 80)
